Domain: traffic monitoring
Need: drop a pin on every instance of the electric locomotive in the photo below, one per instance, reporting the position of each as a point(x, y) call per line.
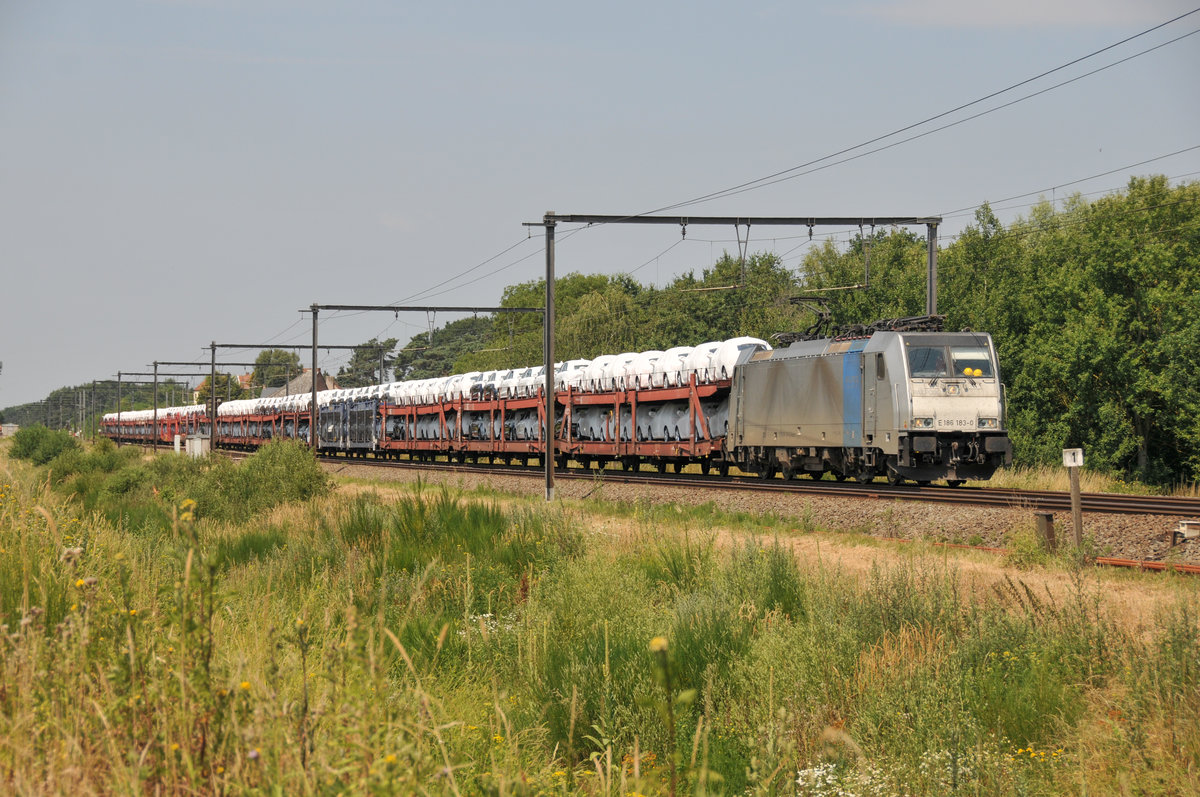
point(900, 400)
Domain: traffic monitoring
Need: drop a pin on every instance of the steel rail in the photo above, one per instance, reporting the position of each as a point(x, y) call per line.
point(1102, 503)
point(1034, 500)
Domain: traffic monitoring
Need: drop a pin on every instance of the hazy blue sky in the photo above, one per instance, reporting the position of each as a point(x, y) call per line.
point(175, 172)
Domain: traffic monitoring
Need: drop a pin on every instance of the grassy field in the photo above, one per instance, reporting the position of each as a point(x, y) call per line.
point(206, 628)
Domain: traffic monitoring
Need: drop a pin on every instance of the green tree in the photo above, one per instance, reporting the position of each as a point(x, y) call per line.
point(1095, 309)
point(369, 364)
point(516, 339)
point(880, 275)
point(426, 355)
point(273, 367)
point(228, 389)
point(1114, 348)
point(727, 300)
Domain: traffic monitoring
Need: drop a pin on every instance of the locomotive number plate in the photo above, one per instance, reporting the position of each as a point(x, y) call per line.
point(955, 423)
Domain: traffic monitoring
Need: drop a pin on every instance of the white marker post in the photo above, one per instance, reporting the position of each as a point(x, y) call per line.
point(1073, 461)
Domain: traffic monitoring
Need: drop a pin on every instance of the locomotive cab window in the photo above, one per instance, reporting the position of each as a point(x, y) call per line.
point(976, 358)
point(926, 362)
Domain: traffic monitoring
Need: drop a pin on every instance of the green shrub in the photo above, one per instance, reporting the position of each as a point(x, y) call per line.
point(708, 635)
point(766, 579)
point(283, 471)
point(40, 445)
point(1025, 550)
point(678, 562)
point(229, 552)
point(101, 457)
point(278, 473)
point(127, 481)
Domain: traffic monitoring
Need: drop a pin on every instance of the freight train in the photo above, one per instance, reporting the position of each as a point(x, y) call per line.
point(903, 401)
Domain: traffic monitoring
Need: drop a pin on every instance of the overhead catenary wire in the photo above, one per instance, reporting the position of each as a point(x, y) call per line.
point(476, 267)
point(970, 209)
point(771, 178)
point(666, 293)
point(837, 235)
point(948, 125)
point(796, 171)
point(949, 213)
point(656, 257)
point(1063, 224)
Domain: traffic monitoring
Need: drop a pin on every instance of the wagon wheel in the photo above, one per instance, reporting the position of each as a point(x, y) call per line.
point(893, 477)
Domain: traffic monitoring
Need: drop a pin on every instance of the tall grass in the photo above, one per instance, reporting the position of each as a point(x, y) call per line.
point(427, 642)
point(1045, 477)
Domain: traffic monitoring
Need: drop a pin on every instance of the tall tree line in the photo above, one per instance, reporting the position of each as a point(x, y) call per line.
point(61, 407)
point(1094, 307)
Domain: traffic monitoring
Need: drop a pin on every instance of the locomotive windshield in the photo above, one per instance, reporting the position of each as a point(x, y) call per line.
point(925, 362)
point(929, 362)
point(977, 358)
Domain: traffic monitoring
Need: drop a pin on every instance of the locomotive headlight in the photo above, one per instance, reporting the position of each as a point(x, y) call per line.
point(989, 423)
point(922, 423)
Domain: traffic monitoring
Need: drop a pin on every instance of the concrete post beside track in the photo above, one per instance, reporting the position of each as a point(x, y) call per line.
point(1073, 461)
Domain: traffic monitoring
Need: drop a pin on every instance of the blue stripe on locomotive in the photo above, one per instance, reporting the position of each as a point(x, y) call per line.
point(852, 410)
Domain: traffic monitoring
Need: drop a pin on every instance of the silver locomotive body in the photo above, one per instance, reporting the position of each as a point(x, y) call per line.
point(906, 405)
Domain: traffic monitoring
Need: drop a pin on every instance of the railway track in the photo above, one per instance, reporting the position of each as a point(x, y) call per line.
point(1034, 500)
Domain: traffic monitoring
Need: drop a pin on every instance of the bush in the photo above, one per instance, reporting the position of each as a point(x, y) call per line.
point(278, 473)
point(102, 457)
point(766, 578)
point(40, 445)
point(281, 472)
